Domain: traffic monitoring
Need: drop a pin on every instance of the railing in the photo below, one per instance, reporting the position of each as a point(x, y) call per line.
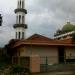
point(44, 59)
point(46, 62)
point(24, 61)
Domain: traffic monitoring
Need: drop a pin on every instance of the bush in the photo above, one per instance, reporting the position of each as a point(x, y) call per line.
point(18, 69)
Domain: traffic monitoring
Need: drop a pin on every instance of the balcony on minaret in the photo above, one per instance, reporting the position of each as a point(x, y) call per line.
point(20, 7)
point(20, 25)
point(21, 10)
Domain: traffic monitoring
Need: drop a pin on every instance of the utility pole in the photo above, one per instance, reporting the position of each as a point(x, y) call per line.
point(0, 20)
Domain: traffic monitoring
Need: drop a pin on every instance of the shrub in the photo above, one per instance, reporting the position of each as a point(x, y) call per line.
point(18, 69)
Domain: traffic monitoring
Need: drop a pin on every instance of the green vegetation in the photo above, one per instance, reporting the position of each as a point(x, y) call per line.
point(4, 60)
point(73, 37)
point(5, 56)
point(16, 69)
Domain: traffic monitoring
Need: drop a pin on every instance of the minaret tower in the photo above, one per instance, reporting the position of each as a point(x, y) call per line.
point(20, 25)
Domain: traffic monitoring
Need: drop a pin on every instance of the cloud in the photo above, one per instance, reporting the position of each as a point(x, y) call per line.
point(44, 17)
point(59, 12)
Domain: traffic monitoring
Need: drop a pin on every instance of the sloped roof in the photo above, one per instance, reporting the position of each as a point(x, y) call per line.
point(37, 39)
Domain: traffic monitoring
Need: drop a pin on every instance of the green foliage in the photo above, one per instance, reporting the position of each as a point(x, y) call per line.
point(3, 66)
point(16, 69)
point(73, 37)
point(4, 61)
point(58, 32)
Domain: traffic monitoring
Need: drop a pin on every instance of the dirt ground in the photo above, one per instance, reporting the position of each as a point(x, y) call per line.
point(55, 73)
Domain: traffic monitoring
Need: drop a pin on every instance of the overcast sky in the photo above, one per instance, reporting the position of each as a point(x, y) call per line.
point(44, 17)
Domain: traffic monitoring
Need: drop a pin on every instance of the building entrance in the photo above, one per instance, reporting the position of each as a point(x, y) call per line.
point(61, 54)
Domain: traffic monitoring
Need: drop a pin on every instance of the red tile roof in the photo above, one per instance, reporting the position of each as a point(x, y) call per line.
point(38, 37)
point(42, 40)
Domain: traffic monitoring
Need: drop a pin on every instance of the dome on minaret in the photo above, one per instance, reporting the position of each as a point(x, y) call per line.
point(20, 26)
point(68, 27)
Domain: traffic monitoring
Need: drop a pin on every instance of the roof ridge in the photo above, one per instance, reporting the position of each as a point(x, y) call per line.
point(38, 36)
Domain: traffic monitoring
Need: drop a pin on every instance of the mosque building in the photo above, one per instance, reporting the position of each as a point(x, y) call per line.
point(37, 49)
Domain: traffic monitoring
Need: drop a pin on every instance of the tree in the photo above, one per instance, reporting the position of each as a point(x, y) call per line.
point(73, 37)
point(58, 32)
point(9, 46)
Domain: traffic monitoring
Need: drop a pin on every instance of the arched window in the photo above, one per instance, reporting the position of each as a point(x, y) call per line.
point(22, 35)
point(20, 3)
point(23, 19)
point(16, 35)
point(19, 35)
point(19, 18)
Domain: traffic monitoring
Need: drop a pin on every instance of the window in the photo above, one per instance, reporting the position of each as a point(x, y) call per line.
point(22, 35)
point(19, 18)
point(16, 35)
point(20, 3)
point(19, 35)
point(23, 19)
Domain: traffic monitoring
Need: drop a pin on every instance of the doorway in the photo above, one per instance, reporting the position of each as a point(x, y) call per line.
point(61, 54)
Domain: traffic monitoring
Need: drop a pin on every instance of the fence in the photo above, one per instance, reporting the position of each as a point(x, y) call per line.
point(46, 62)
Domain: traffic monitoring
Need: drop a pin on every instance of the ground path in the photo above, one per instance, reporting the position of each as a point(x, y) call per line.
point(55, 73)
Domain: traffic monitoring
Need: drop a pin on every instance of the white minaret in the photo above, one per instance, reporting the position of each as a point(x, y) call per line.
point(20, 25)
